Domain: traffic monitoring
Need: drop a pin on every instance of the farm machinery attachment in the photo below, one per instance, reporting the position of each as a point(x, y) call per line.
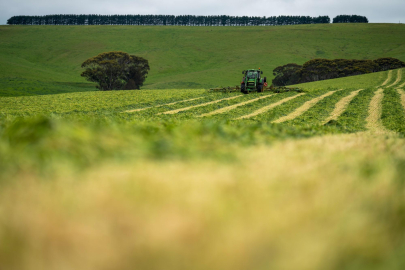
point(252, 82)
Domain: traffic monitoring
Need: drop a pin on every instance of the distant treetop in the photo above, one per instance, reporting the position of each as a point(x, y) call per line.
point(350, 19)
point(184, 20)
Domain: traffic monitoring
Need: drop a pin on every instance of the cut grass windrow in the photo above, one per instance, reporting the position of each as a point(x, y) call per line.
point(387, 80)
point(373, 121)
point(402, 94)
point(269, 107)
point(161, 105)
point(307, 105)
point(341, 106)
point(399, 77)
point(393, 111)
point(353, 119)
point(199, 105)
point(228, 108)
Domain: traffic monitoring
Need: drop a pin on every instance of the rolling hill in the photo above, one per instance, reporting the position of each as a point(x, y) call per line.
point(46, 59)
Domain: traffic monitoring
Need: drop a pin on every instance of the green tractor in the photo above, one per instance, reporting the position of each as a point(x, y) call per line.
point(252, 81)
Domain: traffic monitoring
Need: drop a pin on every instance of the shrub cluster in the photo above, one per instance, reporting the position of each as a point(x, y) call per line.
point(324, 69)
point(183, 20)
point(350, 19)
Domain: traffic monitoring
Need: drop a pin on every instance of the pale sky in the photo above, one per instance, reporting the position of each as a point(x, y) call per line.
point(377, 11)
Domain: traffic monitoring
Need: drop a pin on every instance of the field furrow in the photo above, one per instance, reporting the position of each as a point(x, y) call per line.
point(307, 105)
point(341, 106)
point(373, 121)
point(199, 105)
point(387, 80)
point(268, 107)
point(228, 108)
point(161, 105)
point(402, 94)
point(399, 77)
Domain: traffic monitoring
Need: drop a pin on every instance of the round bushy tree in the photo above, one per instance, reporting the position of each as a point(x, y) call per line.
point(116, 71)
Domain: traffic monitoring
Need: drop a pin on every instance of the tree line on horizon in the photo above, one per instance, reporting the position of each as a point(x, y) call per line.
point(183, 20)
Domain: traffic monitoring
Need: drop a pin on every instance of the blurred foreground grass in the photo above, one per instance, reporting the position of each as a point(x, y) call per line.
point(329, 202)
point(42, 144)
point(86, 185)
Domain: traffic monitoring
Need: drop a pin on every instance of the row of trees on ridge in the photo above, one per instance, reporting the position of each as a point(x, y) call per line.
point(184, 20)
point(350, 19)
point(324, 69)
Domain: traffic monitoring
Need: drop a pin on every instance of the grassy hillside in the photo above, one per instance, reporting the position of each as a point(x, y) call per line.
point(46, 59)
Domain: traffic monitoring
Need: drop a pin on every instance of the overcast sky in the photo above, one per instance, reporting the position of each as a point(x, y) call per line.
point(377, 11)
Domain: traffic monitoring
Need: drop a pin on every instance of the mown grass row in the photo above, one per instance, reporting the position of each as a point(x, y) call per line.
point(94, 102)
point(351, 120)
point(393, 113)
point(321, 110)
point(42, 143)
point(287, 107)
point(84, 129)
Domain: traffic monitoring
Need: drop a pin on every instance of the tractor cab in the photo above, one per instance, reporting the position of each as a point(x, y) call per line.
point(253, 74)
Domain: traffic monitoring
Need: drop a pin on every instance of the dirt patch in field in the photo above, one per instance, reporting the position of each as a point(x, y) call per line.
point(269, 107)
point(307, 105)
point(157, 106)
point(199, 105)
point(222, 110)
point(341, 106)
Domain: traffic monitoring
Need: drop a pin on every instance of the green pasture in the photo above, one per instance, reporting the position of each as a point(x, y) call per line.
point(84, 175)
point(115, 180)
point(83, 120)
point(46, 59)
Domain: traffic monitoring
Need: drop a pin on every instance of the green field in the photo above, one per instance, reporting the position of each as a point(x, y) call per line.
point(190, 179)
point(47, 59)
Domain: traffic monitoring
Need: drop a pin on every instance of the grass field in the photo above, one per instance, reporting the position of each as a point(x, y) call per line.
point(187, 179)
point(46, 59)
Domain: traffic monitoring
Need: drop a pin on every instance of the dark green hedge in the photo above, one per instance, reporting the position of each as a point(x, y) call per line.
point(324, 69)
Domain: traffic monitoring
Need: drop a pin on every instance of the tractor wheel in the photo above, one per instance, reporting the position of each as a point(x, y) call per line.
point(242, 88)
point(260, 88)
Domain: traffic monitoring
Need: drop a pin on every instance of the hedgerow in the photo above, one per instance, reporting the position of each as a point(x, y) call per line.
point(324, 69)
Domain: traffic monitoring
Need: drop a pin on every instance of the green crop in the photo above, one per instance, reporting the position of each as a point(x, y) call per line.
point(149, 179)
point(393, 113)
point(138, 123)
